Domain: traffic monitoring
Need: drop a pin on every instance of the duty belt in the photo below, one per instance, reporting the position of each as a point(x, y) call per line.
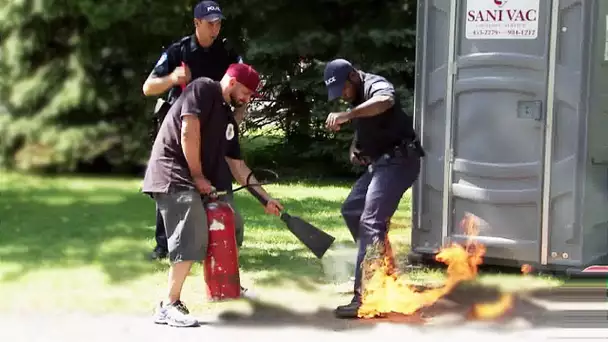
point(406, 149)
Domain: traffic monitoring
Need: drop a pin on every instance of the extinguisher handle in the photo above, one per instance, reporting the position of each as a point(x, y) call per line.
point(218, 193)
point(249, 186)
point(254, 193)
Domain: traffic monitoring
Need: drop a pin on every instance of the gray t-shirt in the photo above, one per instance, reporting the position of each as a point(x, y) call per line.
point(167, 168)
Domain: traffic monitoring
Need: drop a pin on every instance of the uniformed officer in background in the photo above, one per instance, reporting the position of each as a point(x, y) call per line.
point(197, 55)
point(386, 143)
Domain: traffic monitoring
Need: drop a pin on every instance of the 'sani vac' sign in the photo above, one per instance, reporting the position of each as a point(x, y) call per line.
point(502, 19)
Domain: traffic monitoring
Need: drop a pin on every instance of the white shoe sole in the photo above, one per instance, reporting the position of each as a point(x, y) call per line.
point(182, 325)
point(160, 321)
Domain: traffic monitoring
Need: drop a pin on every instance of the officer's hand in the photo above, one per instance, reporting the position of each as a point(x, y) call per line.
point(181, 75)
point(203, 185)
point(334, 120)
point(273, 207)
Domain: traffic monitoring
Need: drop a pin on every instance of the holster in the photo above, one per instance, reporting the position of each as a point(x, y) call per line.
point(365, 160)
point(160, 111)
point(415, 147)
point(408, 149)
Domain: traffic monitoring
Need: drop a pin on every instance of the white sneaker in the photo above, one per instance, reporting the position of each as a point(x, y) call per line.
point(175, 315)
point(160, 314)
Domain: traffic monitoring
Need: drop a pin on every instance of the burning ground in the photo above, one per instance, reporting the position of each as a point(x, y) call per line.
point(388, 292)
point(390, 296)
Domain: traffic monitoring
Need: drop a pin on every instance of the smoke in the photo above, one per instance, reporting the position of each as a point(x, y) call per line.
point(339, 263)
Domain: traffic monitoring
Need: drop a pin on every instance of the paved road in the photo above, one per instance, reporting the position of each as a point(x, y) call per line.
point(88, 328)
point(549, 317)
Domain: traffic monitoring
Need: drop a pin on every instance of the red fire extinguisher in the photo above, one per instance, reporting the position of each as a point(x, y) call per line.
point(221, 264)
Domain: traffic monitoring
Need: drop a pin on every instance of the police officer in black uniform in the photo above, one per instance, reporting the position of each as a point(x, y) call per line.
point(197, 55)
point(386, 143)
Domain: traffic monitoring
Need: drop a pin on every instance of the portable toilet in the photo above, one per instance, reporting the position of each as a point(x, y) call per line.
point(511, 103)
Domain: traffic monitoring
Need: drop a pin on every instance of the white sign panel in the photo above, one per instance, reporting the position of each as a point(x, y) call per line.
point(502, 19)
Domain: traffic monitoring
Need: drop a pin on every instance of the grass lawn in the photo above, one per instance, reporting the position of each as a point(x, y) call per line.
point(78, 243)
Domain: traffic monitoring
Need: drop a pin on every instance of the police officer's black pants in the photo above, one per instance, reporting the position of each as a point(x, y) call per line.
point(373, 200)
point(160, 235)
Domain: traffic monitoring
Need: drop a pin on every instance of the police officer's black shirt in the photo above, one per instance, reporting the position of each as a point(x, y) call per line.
point(167, 168)
point(379, 134)
point(210, 62)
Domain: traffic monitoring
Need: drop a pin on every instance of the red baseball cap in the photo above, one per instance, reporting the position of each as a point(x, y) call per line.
point(245, 75)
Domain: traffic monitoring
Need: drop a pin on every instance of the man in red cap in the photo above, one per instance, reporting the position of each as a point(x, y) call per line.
point(185, 163)
point(202, 54)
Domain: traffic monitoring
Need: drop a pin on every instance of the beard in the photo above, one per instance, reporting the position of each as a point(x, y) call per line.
point(234, 102)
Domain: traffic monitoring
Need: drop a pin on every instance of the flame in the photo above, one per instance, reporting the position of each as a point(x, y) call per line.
point(386, 291)
point(526, 269)
point(486, 311)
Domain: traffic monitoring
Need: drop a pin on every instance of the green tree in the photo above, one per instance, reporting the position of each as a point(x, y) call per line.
point(289, 42)
point(73, 73)
point(74, 69)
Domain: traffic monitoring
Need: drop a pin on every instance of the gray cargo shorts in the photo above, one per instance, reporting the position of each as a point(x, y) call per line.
point(185, 224)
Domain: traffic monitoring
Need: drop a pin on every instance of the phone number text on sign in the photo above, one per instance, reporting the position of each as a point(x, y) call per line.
point(510, 32)
point(502, 19)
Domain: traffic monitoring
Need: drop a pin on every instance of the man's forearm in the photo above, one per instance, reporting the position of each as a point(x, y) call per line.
point(372, 107)
point(191, 146)
point(157, 85)
point(258, 189)
point(241, 171)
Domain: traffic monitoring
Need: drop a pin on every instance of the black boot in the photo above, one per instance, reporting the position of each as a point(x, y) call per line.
point(349, 310)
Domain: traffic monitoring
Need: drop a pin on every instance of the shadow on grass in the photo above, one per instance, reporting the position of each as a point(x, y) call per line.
point(283, 266)
point(57, 228)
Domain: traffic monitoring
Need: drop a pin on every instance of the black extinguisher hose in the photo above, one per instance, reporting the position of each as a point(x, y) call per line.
point(250, 186)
